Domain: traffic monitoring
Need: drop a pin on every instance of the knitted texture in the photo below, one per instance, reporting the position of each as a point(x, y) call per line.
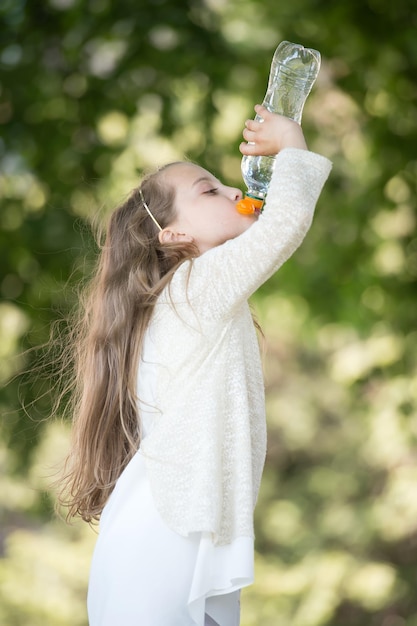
point(206, 451)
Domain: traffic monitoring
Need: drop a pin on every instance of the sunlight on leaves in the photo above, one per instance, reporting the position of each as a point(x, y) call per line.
point(389, 258)
point(397, 223)
point(372, 585)
point(396, 510)
point(113, 128)
point(104, 56)
point(13, 323)
point(41, 587)
point(231, 111)
point(357, 359)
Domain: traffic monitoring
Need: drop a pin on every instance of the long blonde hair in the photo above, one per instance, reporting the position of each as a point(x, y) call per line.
point(114, 313)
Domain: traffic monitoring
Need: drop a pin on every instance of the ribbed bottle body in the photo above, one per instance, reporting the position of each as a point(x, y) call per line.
point(294, 70)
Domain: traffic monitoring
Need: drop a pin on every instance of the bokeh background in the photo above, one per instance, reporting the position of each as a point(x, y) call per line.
point(93, 93)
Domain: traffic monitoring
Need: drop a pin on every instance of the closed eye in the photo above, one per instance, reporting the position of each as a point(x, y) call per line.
point(213, 191)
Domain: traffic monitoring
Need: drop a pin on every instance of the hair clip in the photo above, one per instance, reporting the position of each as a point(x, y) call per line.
point(148, 210)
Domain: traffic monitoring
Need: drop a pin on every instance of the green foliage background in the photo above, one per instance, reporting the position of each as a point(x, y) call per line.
point(94, 92)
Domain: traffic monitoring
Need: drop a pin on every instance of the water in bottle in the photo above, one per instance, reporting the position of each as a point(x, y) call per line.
point(293, 72)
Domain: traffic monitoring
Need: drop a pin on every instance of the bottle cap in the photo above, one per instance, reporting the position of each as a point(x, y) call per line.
point(249, 206)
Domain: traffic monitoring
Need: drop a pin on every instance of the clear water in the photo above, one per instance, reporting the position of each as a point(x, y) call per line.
point(257, 172)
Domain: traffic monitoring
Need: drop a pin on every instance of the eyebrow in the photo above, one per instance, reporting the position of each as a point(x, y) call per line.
point(204, 179)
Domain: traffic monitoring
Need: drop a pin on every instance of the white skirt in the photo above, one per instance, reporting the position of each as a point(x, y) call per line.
point(144, 574)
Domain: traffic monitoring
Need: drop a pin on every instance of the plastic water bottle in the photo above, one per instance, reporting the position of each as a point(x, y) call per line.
point(294, 70)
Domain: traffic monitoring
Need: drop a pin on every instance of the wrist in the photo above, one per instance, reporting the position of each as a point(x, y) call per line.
point(294, 138)
point(300, 144)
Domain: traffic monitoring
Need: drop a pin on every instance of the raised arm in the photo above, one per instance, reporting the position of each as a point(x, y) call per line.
point(228, 274)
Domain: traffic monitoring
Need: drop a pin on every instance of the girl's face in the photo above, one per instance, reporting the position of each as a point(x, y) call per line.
point(206, 209)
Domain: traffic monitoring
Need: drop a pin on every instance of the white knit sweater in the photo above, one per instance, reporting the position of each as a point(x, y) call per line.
point(206, 450)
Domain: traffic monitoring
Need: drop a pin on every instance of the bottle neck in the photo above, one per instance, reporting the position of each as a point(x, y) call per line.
point(255, 195)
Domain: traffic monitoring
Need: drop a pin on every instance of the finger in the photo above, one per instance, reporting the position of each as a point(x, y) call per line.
point(252, 124)
point(261, 110)
point(249, 135)
point(248, 148)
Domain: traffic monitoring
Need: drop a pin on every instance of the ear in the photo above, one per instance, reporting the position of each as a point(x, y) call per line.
point(170, 236)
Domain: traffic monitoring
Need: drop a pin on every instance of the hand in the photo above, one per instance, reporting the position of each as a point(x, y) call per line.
point(271, 134)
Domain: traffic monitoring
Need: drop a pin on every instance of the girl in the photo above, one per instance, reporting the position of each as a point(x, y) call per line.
point(169, 434)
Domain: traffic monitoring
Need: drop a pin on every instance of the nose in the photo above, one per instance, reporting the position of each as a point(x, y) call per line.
point(235, 194)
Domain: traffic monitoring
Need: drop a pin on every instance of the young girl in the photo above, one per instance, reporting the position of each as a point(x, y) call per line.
point(169, 435)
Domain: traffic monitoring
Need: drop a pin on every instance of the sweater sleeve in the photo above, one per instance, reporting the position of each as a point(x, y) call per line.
point(220, 279)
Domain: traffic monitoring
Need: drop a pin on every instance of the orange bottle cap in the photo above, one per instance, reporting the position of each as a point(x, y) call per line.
point(249, 205)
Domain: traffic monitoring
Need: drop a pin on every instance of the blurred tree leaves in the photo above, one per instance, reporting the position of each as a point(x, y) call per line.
point(93, 93)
